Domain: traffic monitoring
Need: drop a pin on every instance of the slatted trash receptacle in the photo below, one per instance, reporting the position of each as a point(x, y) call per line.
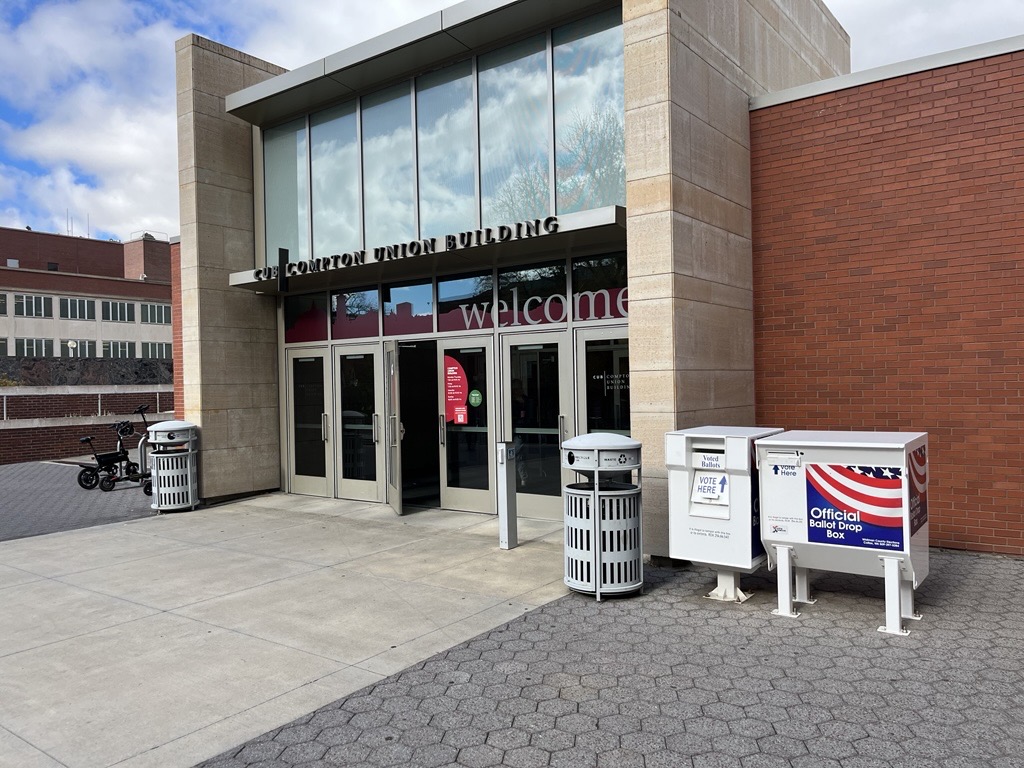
point(173, 458)
point(602, 514)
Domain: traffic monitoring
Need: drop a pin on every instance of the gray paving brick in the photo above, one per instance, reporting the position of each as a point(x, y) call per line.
point(669, 679)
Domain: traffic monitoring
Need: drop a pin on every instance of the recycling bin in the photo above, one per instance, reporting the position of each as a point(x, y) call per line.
point(713, 502)
point(603, 515)
point(174, 455)
point(851, 502)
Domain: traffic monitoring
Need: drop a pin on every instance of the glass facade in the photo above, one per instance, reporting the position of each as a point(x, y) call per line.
point(533, 129)
point(514, 152)
point(334, 147)
point(590, 147)
point(286, 191)
point(446, 136)
point(388, 171)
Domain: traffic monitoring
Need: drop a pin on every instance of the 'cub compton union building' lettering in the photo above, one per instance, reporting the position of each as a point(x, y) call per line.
point(472, 239)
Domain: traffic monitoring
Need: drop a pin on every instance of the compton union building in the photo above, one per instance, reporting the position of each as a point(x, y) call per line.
point(525, 220)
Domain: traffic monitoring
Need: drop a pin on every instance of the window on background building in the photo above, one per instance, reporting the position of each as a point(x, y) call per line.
point(124, 350)
point(118, 311)
point(13, 263)
point(305, 318)
point(51, 266)
point(590, 107)
point(286, 190)
point(3, 347)
point(33, 347)
point(334, 149)
point(77, 309)
point(446, 150)
point(3, 303)
point(156, 314)
point(355, 314)
point(465, 302)
point(26, 305)
point(77, 348)
point(514, 142)
point(532, 295)
point(156, 350)
point(408, 308)
point(389, 200)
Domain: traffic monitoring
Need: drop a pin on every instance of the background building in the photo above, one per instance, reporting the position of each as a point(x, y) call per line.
point(85, 335)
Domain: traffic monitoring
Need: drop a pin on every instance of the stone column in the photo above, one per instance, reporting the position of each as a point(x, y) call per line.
point(691, 66)
point(229, 383)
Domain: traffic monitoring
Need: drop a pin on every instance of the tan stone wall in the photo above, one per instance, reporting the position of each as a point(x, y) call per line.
point(229, 336)
point(691, 67)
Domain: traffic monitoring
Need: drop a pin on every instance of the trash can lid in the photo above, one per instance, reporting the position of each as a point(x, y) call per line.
point(594, 441)
point(172, 426)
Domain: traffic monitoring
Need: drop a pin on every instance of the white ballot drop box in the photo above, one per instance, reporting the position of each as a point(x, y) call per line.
point(713, 506)
point(851, 502)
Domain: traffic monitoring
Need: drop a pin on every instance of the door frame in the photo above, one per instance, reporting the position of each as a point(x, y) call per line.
point(393, 429)
point(468, 499)
point(362, 490)
point(582, 335)
point(547, 507)
point(309, 485)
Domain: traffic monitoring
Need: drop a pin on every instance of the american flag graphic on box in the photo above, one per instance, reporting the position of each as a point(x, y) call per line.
point(855, 506)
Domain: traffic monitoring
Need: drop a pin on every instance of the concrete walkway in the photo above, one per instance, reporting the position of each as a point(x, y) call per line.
point(166, 640)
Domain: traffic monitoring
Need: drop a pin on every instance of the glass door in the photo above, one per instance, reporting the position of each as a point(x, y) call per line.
point(467, 441)
point(537, 412)
point(393, 429)
point(602, 385)
point(359, 409)
point(310, 454)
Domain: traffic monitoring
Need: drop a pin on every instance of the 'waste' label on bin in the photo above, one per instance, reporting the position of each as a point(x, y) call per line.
point(710, 488)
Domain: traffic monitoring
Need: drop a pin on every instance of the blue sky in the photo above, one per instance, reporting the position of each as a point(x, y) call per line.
point(87, 107)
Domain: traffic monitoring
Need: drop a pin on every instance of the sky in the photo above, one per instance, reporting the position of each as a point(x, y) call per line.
point(87, 99)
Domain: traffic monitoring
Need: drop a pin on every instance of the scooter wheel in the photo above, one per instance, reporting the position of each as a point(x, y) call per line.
point(131, 468)
point(107, 483)
point(147, 487)
point(88, 478)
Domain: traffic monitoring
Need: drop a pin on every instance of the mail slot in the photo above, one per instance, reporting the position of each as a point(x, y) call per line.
point(713, 502)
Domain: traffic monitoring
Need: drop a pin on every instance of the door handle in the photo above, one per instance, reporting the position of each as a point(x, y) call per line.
point(375, 437)
point(324, 428)
point(440, 427)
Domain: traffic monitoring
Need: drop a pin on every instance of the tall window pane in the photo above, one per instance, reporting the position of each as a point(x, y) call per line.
point(514, 154)
point(286, 190)
point(334, 149)
point(589, 111)
point(446, 131)
point(388, 169)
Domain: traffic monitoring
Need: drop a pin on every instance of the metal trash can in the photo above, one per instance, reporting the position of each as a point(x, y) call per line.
point(603, 551)
point(174, 455)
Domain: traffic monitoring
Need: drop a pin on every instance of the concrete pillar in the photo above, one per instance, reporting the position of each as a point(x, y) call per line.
point(691, 67)
point(228, 336)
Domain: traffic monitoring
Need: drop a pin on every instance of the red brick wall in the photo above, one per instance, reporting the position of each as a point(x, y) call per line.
point(40, 443)
point(35, 250)
point(888, 281)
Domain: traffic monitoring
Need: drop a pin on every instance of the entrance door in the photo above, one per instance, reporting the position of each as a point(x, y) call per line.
point(537, 408)
point(358, 411)
point(602, 385)
point(467, 441)
point(392, 428)
point(310, 455)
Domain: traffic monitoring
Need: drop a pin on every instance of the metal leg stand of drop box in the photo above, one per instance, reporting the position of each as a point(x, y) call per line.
point(783, 557)
point(728, 589)
point(803, 587)
point(899, 599)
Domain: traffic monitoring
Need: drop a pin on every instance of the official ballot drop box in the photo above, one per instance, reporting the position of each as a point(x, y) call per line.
point(852, 502)
point(713, 507)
